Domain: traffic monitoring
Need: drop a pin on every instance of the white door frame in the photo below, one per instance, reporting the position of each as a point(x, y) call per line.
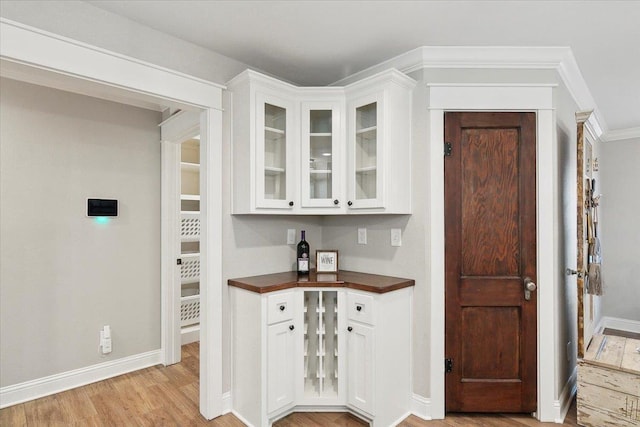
point(173, 131)
point(497, 97)
point(36, 56)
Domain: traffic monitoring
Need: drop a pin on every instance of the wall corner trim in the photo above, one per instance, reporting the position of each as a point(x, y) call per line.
point(34, 389)
point(227, 402)
point(562, 405)
point(421, 407)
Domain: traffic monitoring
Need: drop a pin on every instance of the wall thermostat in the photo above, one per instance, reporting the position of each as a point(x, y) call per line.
point(102, 207)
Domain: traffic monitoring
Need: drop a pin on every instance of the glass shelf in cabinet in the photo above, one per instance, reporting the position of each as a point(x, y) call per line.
point(189, 167)
point(272, 170)
point(274, 130)
point(366, 169)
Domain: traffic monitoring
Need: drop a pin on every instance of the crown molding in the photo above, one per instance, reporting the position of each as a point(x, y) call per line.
point(558, 58)
point(622, 134)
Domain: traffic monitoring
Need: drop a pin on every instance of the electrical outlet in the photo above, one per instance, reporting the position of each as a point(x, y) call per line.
point(396, 237)
point(105, 340)
point(362, 236)
point(291, 236)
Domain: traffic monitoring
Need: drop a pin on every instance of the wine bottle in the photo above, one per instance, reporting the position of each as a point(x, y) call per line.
point(303, 255)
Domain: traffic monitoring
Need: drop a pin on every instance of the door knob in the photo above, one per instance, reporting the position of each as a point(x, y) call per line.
point(529, 286)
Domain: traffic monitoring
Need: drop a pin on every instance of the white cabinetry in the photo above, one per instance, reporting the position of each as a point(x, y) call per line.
point(265, 157)
point(265, 337)
point(333, 150)
point(321, 349)
point(321, 381)
point(361, 373)
point(280, 359)
point(379, 143)
point(378, 337)
point(322, 151)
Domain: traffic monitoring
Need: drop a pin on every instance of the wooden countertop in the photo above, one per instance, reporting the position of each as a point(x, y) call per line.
point(343, 279)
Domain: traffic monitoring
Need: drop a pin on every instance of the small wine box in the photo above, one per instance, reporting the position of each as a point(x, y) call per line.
point(609, 383)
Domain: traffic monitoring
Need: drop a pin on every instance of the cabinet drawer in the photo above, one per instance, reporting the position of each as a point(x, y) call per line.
point(279, 307)
point(360, 307)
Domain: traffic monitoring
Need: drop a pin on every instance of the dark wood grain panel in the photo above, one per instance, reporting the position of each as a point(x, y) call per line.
point(510, 397)
point(346, 279)
point(490, 248)
point(490, 223)
point(494, 291)
point(490, 353)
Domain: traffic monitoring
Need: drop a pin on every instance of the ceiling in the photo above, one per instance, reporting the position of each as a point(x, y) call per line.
point(320, 42)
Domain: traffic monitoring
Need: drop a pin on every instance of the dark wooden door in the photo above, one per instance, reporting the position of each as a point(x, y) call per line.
point(490, 250)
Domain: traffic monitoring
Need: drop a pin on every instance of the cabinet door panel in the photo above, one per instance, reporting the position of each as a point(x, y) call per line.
point(366, 154)
point(361, 367)
point(321, 154)
point(280, 362)
point(275, 161)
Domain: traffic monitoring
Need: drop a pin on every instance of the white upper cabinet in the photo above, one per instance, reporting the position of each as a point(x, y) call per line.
point(322, 158)
point(274, 152)
point(379, 144)
point(315, 151)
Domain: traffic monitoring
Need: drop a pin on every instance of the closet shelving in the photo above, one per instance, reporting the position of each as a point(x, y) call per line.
point(190, 239)
point(320, 344)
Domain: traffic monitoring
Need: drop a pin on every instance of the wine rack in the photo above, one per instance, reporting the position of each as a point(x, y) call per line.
point(321, 343)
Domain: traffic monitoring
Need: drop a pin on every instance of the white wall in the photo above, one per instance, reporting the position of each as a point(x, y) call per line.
point(62, 275)
point(619, 163)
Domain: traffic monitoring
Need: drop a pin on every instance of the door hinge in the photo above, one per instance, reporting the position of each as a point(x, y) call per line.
point(179, 261)
point(447, 149)
point(448, 365)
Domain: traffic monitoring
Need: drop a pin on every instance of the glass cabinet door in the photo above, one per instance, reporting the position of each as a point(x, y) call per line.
point(320, 126)
point(365, 161)
point(273, 139)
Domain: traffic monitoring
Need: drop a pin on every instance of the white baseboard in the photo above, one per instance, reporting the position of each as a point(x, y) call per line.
point(227, 403)
point(421, 407)
point(34, 389)
point(561, 406)
point(189, 334)
point(620, 324)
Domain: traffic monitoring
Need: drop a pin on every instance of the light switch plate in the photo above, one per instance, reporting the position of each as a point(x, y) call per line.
point(362, 236)
point(396, 237)
point(291, 236)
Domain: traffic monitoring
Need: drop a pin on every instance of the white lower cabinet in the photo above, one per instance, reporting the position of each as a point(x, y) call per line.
point(379, 355)
point(321, 349)
point(280, 359)
point(361, 372)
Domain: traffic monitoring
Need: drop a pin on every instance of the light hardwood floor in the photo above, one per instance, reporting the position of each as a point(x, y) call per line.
point(168, 396)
